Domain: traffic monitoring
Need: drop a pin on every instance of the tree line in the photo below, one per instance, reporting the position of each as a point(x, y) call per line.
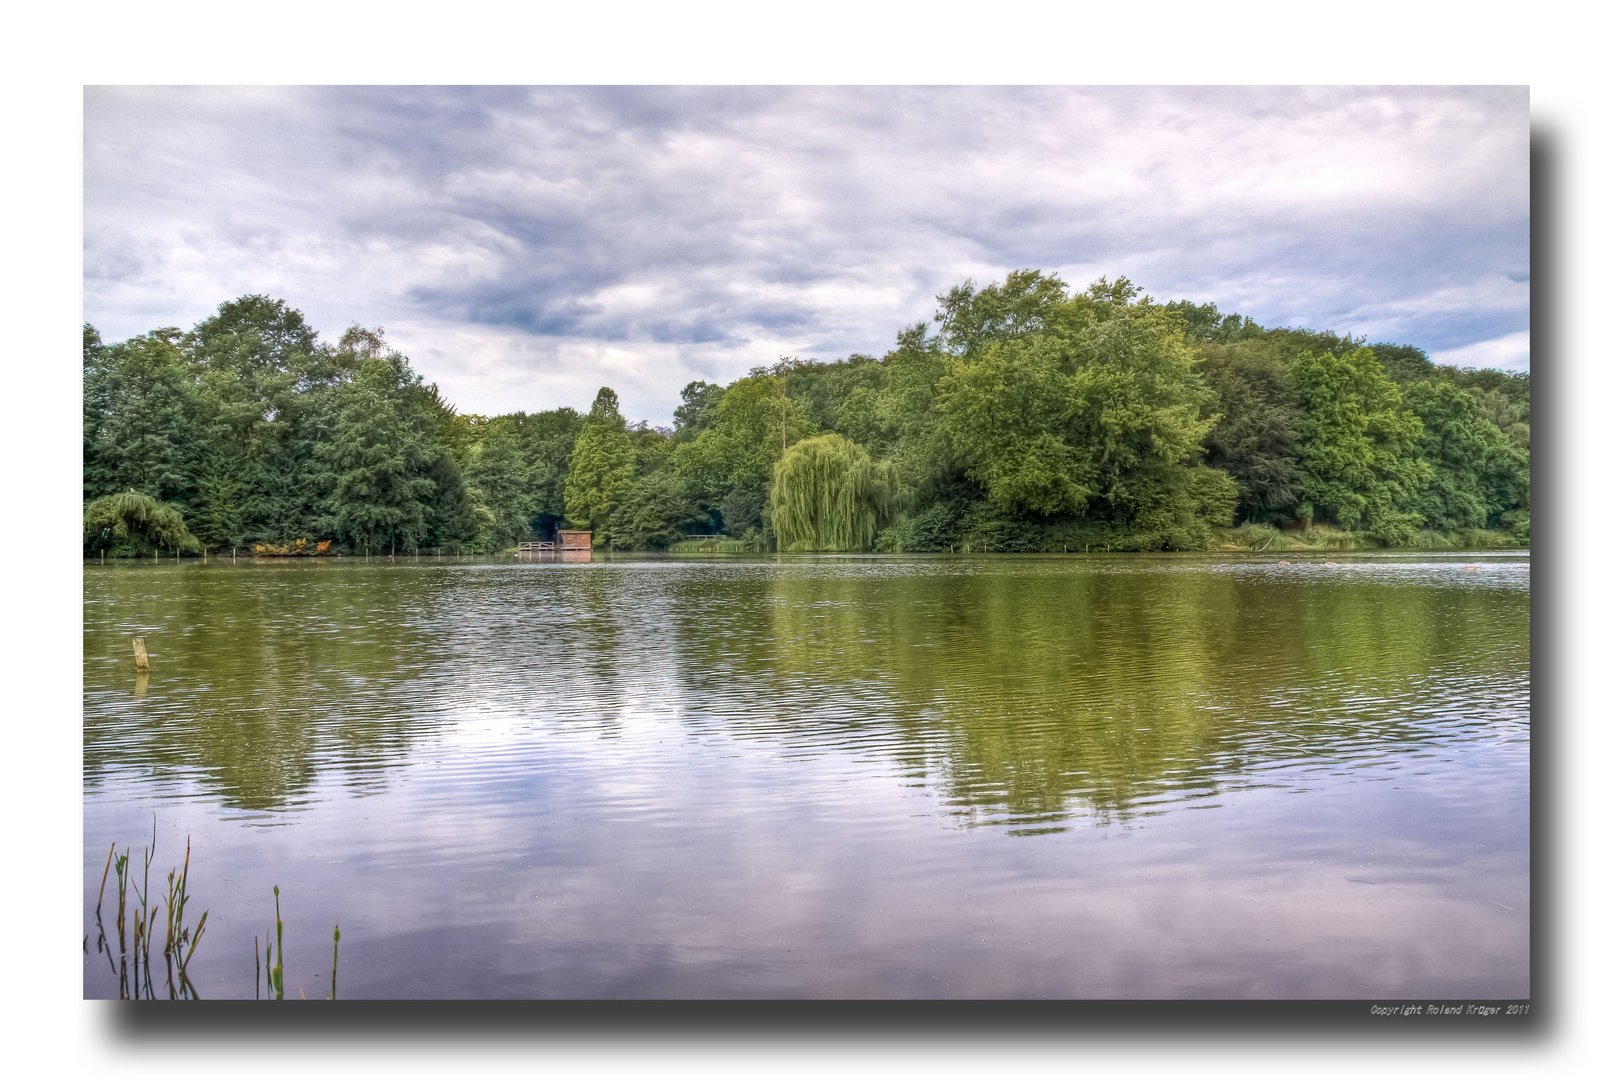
point(1025, 417)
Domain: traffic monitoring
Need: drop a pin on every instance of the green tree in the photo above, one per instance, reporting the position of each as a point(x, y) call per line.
point(1140, 407)
point(1510, 416)
point(1203, 324)
point(97, 403)
point(496, 480)
point(1477, 472)
point(699, 402)
point(1256, 432)
point(1010, 416)
point(602, 470)
point(253, 334)
point(1099, 416)
point(1360, 461)
point(220, 518)
point(144, 437)
point(753, 424)
point(1025, 303)
point(1404, 363)
point(377, 462)
point(653, 511)
point(828, 495)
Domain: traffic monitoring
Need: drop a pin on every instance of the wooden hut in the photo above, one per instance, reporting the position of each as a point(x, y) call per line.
point(573, 540)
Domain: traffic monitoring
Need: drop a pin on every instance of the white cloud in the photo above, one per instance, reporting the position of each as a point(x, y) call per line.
point(1509, 352)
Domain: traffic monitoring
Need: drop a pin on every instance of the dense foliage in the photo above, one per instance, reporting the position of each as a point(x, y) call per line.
point(1027, 417)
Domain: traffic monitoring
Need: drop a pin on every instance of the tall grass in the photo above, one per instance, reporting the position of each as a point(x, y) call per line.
point(1461, 539)
point(1258, 537)
point(717, 545)
point(1335, 539)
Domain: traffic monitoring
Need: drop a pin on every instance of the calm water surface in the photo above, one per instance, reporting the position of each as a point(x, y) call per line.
point(1102, 777)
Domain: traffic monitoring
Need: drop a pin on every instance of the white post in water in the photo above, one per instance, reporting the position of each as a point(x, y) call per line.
point(141, 663)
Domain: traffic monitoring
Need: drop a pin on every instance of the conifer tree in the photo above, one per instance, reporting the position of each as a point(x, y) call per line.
point(376, 462)
point(602, 469)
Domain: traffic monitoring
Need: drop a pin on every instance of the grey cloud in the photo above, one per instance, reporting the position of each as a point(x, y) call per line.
point(725, 222)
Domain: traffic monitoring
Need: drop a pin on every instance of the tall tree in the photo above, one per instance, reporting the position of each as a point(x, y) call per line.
point(753, 424)
point(699, 402)
point(971, 318)
point(377, 461)
point(1204, 324)
point(1010, 416)
point(1255, 435)
point(1097, 417)
point(251, 335)
point(497, 483)
point(144, 438)
point(97, 402)
point(1404, 363)
point(603, 468)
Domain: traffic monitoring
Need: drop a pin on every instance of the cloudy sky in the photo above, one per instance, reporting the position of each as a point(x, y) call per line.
point(527, 246)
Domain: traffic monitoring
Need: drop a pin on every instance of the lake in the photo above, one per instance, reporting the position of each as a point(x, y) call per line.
point(1124, 776)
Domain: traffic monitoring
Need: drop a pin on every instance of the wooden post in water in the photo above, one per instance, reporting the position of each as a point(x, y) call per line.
point(141, 663)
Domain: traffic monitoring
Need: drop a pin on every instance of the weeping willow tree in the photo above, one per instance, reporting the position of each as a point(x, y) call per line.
point(828, 495)
point(130, 523)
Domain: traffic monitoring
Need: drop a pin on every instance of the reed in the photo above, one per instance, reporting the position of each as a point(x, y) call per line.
point(103, 891)
point(276, 977)
point(134, 965)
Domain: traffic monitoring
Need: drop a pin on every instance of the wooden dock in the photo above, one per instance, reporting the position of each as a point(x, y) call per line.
point(567, 540)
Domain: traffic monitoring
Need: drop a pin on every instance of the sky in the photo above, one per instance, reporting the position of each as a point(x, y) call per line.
point(526, 245)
